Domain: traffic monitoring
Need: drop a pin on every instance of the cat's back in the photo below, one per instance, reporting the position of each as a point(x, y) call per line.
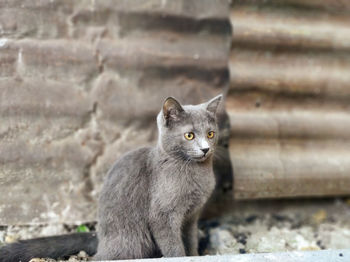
point(131, 165)
point(129, 177)
point(124, 200)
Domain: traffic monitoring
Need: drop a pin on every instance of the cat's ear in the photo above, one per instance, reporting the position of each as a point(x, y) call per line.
point(213, 104)
point(171, 109)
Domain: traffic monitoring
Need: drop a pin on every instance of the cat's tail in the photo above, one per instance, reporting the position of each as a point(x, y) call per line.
point(49, 247)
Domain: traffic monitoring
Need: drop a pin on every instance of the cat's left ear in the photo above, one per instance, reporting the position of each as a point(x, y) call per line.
point(171, 110)
point(213, 104)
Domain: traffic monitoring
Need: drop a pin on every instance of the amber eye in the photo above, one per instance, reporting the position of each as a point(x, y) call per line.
point(210, 134)
point(189, 136)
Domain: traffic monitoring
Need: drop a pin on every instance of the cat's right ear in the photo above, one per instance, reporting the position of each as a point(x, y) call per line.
point(171, 110)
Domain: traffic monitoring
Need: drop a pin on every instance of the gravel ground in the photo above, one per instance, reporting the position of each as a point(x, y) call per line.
point(247, 227)
point(273, 226)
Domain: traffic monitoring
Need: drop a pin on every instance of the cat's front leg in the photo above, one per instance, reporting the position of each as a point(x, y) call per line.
point(190, 235)
point(166, 229)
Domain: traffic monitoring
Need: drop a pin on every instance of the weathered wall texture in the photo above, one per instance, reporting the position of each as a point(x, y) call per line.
point(289, 101)
point(81, 83)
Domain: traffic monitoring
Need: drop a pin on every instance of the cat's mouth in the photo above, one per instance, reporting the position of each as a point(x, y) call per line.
point(197, 156)
point(200, 158)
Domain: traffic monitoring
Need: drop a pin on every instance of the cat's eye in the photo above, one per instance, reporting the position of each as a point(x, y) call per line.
point(189, 135)
point(210, 134)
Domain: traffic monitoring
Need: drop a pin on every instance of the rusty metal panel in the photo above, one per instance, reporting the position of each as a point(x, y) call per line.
point(289, 99)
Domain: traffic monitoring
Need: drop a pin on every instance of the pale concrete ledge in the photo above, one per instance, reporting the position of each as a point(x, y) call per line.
point(295, 256)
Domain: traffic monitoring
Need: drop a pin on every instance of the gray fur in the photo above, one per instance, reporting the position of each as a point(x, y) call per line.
point(152, 197)
point(52, 247)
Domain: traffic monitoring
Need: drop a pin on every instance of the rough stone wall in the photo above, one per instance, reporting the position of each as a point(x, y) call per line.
point(81, 83)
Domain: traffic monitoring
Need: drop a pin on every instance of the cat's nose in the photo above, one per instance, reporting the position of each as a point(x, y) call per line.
point(205, 150)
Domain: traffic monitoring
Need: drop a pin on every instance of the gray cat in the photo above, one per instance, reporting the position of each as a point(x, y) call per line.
point(152, 197)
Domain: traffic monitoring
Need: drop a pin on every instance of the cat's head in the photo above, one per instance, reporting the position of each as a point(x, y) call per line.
point(188, 132)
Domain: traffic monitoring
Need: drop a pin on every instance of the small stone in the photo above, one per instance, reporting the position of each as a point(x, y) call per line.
point(319, 217)
point(334, 236)
point(310, 248)
point(82, 254)
point(222, 240)
point(42, 260)
point(73, 259)
point(2, 237)
point(11, 239)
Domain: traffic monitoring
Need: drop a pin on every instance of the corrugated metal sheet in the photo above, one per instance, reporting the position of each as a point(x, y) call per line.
point(289, 100)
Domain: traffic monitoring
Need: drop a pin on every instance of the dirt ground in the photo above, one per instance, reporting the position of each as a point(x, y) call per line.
point(247, 227)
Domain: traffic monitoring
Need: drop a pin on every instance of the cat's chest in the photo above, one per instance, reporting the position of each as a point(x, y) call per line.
point(196, 192)
point(188, 190)
point(198, 183)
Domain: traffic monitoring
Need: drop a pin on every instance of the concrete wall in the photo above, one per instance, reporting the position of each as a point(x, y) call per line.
point(81, 83)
